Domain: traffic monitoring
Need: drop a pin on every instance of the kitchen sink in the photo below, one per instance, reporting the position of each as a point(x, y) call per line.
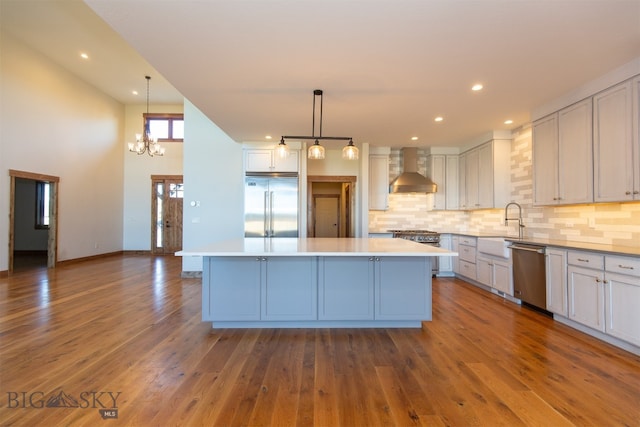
point(495, 246)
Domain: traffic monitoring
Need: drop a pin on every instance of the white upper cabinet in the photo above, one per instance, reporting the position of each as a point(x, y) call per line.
point(613, 145)
point(379, 182)
point(436, 171)
point(545, 160)
point(485, 176)
point(451, 179)
point(562, 156)
point(266, 160)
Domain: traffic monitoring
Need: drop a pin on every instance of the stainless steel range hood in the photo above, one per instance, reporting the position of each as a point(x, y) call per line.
point(410, 181)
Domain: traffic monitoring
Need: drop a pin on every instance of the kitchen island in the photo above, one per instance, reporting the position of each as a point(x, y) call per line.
point(316, 282)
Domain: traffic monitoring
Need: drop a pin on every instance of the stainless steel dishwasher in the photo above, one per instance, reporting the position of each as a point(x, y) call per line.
point(529, 274)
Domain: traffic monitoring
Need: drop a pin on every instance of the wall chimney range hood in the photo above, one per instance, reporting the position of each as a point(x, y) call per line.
point(410, 181)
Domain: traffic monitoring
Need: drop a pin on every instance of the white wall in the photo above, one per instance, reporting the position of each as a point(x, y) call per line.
point(137, 175)
point(213, 177)
point(53, 123)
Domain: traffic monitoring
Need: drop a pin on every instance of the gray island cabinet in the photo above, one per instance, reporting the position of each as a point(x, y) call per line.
point(256, 283)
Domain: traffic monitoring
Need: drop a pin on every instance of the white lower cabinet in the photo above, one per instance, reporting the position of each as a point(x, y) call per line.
point(556, 270)
point(455, 260)
point(445, 266)
point(622, 298)
point(495, 273)
point(586, 297)
point(467, 257)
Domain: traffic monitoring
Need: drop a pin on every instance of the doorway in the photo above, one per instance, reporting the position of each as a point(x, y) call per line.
point(330, 206)
point(33, 220)
point(167, 194)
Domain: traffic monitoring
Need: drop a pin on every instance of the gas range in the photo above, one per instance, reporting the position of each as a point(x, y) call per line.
point(420, 236)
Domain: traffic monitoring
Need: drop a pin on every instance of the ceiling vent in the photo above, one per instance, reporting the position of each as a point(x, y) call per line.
point(410, 181)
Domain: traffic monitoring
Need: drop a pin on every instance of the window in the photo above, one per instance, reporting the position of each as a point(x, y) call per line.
point(166, 127)
point(43, 198)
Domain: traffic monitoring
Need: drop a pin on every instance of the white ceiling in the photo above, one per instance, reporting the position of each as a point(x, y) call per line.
point(387, 67)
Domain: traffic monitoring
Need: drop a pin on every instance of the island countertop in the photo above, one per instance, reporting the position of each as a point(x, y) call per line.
point(316, 247)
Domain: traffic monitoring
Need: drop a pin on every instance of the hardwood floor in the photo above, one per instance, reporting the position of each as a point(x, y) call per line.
point(124, 333)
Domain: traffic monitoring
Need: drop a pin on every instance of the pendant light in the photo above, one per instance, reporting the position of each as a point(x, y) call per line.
point(316, 151)
point(145, 143)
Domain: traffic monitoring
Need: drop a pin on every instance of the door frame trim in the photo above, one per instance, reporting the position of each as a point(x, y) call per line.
point(351, 179)
point(52, 241)
point(154, 179)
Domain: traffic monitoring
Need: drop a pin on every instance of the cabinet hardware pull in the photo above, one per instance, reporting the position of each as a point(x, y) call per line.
point(371, 259)
point(636, 192)
point(597, 280)
point(583, 260)
point(627, 267)
point(627, 193)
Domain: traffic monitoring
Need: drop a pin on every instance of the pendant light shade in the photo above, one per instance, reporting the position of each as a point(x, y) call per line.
point(350, 152)
point(282, 149)
point(316, 151)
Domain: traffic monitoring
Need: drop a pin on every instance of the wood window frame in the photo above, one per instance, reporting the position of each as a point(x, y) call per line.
point(170, 117)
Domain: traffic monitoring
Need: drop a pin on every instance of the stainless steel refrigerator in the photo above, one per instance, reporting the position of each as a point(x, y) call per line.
point(271, 205)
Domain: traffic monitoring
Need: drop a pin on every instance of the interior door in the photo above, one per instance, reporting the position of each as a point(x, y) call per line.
point(327, 215)
point(167, 201)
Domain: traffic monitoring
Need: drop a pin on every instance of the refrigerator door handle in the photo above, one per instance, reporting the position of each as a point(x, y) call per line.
point(271, 231)
point(267, 212)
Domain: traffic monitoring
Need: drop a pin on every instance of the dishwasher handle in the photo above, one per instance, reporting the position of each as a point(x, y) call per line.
point(536, 249)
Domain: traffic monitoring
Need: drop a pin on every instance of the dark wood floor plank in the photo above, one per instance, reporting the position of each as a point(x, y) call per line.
point(131, 324)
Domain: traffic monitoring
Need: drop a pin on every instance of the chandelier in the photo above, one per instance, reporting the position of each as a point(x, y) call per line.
point(316, 151)
point(145, 142)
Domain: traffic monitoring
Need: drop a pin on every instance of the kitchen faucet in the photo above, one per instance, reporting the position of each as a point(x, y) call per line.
point(519, 218)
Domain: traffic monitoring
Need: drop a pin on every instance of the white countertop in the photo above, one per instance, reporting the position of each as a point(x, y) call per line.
point(316, 247)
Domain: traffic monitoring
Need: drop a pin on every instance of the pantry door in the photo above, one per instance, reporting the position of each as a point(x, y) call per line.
point(166, 214)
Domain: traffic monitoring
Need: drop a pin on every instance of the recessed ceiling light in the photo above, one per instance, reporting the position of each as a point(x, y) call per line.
point(439, 119)
point(84, 56)
point(508, 122)
point(267, 137)
point(414, 138)
point(135, 92)
point(476, 87)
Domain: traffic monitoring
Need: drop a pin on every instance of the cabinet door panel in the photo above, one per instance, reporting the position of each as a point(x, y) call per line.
point(613, 144)
point(378, 182)
point(586, 297)
point(231, 289)
point(290, 289)
point(622, 303)
point(575, 151)
point(484, 273)
point(545, 161)
point(346, 288)
point(556, 282)
point(485, 176)
point(503, 277)
point(403, 288)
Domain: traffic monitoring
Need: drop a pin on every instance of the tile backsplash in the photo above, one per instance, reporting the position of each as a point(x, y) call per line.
point(605, 223)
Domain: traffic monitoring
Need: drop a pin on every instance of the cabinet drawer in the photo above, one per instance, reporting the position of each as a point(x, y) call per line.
point(622, 265)
point(467, 253)
point(586, 259)
point(469, 241)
